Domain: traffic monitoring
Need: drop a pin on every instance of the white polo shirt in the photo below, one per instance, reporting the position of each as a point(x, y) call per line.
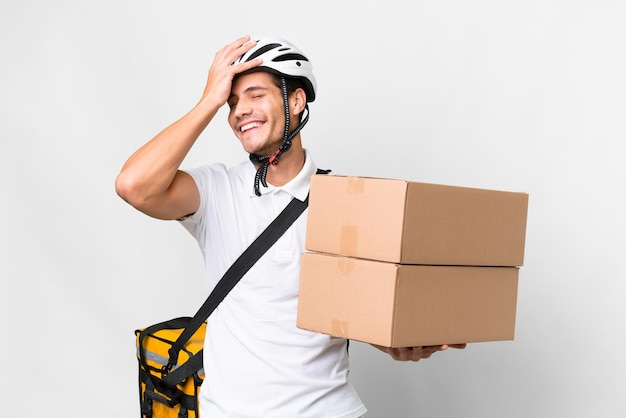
point(257, 362)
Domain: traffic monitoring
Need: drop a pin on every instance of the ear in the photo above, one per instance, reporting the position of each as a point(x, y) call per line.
point(297, 101)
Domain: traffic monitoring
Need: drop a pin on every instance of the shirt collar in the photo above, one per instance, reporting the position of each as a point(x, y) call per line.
point(297, 187)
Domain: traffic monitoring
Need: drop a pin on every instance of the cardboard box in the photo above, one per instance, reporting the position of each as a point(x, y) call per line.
point(416, 223)
point(396, 305)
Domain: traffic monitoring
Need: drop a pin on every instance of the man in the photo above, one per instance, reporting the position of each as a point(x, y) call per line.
point(257, 362)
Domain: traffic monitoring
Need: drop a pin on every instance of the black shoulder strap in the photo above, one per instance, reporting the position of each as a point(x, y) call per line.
point(240, 267)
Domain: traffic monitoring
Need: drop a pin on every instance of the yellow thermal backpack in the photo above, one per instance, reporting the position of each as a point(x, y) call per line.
point(170, 352)
point(171, 393)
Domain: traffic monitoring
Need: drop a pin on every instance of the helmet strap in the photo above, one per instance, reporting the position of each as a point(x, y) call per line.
point(265, 161)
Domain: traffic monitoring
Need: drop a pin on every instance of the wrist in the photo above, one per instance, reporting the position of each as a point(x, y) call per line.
point(209, 103)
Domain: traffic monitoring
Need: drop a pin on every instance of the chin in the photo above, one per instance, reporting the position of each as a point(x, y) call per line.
point(254, 150)
point(261, 150)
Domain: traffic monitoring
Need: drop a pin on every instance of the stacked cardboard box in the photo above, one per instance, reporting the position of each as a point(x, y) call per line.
point(399, 263)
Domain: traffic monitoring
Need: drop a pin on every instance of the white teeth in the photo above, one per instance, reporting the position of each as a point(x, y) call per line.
point(250, 126)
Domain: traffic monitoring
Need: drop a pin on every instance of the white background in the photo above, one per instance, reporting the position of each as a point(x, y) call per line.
point(512, 95)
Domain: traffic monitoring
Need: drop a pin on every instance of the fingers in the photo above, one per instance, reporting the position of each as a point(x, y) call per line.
point(405, 354)
point(416, 353)
point(458, 346)
point(234, 49)
point(231, 53)
point(428, 351)
point(409, 353)
point(222, 71)
point(400, 354)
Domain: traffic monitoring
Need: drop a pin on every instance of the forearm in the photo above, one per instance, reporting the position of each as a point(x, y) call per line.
point(150, 171)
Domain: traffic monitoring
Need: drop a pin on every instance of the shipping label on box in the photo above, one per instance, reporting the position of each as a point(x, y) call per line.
point(416, 223)
point(396, 305)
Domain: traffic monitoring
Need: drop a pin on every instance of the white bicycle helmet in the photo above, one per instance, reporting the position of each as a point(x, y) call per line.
point(284, 59)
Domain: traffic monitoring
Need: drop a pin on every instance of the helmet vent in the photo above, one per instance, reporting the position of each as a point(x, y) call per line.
point(262, 51)
point(289, 57)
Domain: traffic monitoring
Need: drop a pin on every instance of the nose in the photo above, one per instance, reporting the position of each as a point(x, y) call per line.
point(242, 108)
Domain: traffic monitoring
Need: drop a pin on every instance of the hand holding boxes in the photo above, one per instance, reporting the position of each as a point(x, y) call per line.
point(398, 263)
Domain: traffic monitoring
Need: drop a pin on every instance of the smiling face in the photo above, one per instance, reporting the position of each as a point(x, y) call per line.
point(257, 113)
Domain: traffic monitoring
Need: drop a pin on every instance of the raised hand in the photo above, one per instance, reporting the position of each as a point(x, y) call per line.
point(223, 70)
